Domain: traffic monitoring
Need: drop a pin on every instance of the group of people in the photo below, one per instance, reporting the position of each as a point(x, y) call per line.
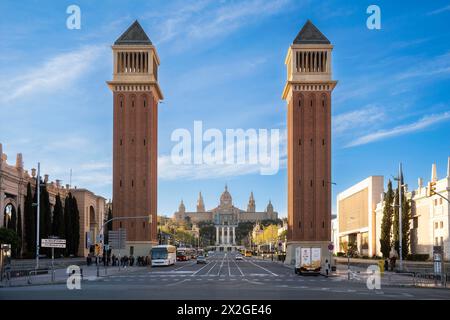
point(113, 260)
point(129, 261)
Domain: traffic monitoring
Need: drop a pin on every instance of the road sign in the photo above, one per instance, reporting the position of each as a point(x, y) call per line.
point(330, 247)
point(53, 243)
point(117, 239)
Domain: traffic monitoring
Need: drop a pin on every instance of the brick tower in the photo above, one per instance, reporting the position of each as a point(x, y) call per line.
point(136, 94)
point(308, 95)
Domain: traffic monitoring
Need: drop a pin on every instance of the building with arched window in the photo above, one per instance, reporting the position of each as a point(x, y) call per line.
point(13, 188)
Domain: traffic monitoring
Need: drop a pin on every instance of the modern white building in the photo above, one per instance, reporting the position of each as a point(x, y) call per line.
point(430, 216)
point(356, 220)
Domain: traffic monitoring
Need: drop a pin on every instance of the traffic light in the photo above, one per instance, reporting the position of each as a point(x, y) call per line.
point(431, 190)
point(97, 249)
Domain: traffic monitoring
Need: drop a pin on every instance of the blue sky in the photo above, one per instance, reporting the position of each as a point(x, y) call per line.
point(222, 62)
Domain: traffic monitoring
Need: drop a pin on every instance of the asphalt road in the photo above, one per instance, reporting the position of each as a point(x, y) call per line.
point(221, 278)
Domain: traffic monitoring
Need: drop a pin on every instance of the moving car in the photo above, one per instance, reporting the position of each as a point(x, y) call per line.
point(201, 259)
point(181, 256)
point(239, 257)
point(248, 253)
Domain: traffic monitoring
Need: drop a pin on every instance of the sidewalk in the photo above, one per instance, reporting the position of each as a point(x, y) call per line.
point(89, 274)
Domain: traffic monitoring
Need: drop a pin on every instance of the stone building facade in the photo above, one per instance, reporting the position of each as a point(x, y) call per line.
point(430, 216)
point(225, 213)
point(13, 188)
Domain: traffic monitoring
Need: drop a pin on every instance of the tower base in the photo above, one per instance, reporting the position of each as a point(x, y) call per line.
point(136, 248)
point(292, 245)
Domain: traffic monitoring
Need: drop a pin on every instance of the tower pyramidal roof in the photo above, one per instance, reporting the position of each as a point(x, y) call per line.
point(310, 35)
point(134, 35)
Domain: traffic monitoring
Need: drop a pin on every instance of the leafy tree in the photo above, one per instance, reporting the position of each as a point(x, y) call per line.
point(406, 216)
point(9, 236)
point(386, 222)
point(242, 232)
point(30, 222)
point(207, 232)
point(58, 218)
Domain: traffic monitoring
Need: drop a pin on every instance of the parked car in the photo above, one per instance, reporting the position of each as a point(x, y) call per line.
point(201, 259)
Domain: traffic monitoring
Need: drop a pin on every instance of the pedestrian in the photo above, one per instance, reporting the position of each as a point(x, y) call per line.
point(327, 267)
point(386, 264)
point(393, 255)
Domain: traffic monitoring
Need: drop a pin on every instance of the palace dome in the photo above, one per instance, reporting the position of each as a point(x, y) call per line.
point(225, 198)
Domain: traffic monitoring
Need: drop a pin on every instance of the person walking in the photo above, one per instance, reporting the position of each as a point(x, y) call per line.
point(327, 268)
point(393, 255)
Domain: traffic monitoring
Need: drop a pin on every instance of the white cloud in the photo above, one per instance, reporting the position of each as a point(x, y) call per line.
point(439, 65)
point(167, 170)
point(400, 130)
point(357, 119)
point(440, 10)
point(56, 73)
point(206, 20)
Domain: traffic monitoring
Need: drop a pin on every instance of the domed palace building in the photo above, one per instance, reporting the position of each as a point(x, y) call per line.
point(225, 217)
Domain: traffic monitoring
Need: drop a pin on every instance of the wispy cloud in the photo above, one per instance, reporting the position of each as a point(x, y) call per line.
point(439, 65)
point(400, 130)
point(440, 10)
point(205, 20)
point(168, 170)
point(56, 73)
point(352, 120)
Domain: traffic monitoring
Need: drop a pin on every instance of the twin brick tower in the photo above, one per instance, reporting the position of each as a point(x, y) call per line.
point(136, 94)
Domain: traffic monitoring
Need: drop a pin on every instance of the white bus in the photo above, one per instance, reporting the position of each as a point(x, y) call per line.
point(163, 255)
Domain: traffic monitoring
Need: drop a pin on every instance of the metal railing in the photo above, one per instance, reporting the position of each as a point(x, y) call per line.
point(40, 272)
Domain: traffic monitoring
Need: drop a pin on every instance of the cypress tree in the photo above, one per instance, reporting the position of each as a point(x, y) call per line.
point(19, 231)
point(386, 223)
point(109, 225)
point(30, 222)
point(76, 227)
point(45, 218)
point(58, 218)
point(68, 223)
point(406, 216)
point(12, 223)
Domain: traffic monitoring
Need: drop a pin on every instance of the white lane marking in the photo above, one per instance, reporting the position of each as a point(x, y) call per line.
point(170, 272)
point(221, 265)
point(175, 283)
point(199, 270)
point(252, 282)
point(211, 275)
point(267, 270)
point(185, 265)
point(242, 274)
